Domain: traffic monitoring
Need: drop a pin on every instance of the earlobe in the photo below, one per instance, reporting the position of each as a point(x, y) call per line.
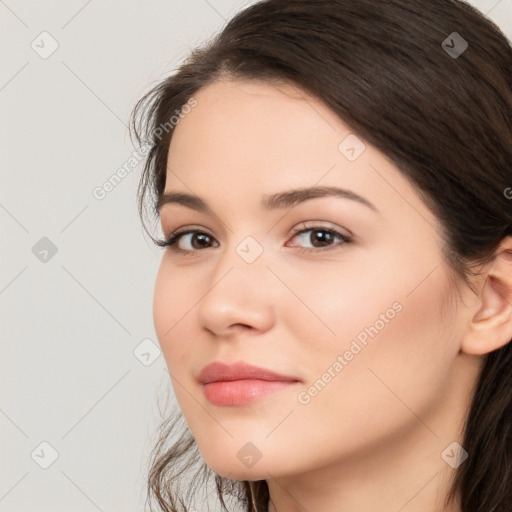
point(491, 325)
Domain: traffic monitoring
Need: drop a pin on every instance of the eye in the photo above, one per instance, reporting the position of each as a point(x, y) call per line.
point(195, 240)
point(198, 242)
point(320, 238)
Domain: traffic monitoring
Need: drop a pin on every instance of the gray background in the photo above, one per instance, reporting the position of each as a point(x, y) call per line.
point(73, 371)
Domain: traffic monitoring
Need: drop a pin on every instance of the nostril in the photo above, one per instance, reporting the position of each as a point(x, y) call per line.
point(241, 327)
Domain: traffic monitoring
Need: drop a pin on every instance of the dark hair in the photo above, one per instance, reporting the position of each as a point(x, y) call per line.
point(444, 119)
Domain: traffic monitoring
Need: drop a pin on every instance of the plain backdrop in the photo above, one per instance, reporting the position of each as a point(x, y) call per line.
point(80, 364)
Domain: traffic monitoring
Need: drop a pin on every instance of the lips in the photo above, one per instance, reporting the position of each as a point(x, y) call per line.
point(216, 372)
point(239, 384)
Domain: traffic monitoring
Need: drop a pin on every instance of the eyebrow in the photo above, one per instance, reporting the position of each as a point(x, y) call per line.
point(276, 201)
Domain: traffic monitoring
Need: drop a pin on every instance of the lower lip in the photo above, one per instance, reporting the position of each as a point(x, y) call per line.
point(240, 392)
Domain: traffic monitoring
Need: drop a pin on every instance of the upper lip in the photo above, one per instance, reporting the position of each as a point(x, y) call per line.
point(240, 370)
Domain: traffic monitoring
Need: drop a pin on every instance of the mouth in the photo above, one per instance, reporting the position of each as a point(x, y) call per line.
point(241, 383)
point(241, 392)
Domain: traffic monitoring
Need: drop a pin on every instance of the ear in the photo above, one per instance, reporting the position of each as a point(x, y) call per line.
point(491, 325)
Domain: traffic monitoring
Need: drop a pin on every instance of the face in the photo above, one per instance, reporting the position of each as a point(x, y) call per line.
point(348, 295)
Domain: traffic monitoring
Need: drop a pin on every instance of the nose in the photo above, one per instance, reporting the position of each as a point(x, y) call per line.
point(238, 296)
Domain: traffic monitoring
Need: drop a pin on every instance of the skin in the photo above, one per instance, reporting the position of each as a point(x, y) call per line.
point(372, 438)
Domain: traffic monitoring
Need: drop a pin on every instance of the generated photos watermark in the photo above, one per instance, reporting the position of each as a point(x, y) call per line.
point(304, 397)
point(101, 191)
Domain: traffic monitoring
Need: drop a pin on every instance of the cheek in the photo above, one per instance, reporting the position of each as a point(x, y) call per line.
point(172, 302)
point(388, 322)
point(368, 295)
point(337, 300)
point(397, 352)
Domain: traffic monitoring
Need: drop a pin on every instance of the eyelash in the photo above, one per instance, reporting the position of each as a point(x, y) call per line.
point(173, 238)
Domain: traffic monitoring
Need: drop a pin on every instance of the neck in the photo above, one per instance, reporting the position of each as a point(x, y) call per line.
point(414, 482)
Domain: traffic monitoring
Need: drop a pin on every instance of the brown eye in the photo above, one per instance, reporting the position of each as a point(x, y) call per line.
point(194, 240)
point(320, 237)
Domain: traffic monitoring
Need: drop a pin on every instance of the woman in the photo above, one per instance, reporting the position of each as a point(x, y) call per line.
point(334, 304)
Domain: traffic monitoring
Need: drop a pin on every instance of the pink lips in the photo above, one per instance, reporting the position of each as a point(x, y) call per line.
point(240, 383)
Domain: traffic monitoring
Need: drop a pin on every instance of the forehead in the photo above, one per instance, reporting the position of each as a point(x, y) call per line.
point(230, 100)
point(256, 126)
point(245, 139)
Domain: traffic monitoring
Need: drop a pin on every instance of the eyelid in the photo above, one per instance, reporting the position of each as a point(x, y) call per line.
point(304, 225)
point(187, 229)
point(318, 224)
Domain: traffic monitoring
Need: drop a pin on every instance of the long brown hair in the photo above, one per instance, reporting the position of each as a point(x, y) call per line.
point(398, 72)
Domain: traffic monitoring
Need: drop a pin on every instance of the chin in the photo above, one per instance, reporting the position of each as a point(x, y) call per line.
point(233, 470)
point(234, 462)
